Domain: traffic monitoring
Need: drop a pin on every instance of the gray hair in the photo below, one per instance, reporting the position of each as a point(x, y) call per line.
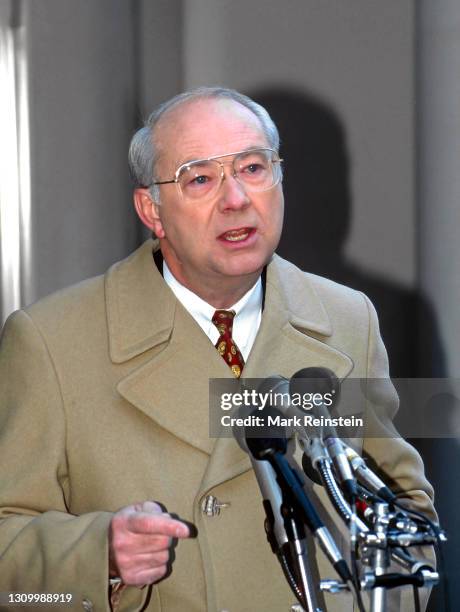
point(143, 151)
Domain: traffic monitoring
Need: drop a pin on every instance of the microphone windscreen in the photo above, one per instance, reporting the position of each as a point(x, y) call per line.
point(315, 380)
point(262, 448)
point(266, 438)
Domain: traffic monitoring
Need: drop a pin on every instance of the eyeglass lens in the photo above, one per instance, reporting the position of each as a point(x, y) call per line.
point(255, 170)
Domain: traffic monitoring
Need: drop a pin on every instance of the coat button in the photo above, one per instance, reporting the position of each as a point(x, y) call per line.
point(210, 505)
point(87, 605)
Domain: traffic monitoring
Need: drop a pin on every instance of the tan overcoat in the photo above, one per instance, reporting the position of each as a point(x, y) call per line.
point(104, 402)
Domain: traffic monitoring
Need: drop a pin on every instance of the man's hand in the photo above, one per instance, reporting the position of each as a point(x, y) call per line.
point(140, 538)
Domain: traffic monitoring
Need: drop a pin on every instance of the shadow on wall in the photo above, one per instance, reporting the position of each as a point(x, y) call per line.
point(317, 223)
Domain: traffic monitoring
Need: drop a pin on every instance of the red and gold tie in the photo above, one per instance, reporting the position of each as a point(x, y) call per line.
point(223, 320)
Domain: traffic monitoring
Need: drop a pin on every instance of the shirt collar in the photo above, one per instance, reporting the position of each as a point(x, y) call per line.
point(248, 307)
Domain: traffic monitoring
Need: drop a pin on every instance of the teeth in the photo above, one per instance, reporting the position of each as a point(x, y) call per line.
point(236, 237)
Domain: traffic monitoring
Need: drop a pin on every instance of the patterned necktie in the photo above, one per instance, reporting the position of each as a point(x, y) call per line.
point(223, 320)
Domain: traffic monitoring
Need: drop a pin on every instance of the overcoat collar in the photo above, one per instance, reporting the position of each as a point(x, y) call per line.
point(170, 380)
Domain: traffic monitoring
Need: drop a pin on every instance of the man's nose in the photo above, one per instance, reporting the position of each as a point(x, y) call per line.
point(233, 194)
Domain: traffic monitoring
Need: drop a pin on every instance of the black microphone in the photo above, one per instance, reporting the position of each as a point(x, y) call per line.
point(284, 526)
point(272, 450)
point(271, 494)
point(321, 383)
point(271, 387)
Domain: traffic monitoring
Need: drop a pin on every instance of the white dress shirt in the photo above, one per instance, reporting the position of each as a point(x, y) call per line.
point(247, 318)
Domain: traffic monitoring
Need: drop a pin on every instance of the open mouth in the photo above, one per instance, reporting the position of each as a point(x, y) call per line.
point(237, 235)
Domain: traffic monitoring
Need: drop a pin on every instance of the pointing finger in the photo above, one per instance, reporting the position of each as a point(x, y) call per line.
point(157, 524)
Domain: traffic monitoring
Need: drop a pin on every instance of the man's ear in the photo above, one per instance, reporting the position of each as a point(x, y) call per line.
point(148, 211)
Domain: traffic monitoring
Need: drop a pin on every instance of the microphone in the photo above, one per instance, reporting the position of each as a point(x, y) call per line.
point(273, 450)
point(271, 495)
point(368, 477)
point(319, 383)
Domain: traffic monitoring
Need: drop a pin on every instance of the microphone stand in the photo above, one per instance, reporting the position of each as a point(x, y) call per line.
point(383, 533)
point(286, 536)
point(298, 554)
point(380, 559)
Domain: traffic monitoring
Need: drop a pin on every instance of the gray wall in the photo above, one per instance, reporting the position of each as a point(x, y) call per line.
point(96, 70)
point(81, 100)
point(439, 164)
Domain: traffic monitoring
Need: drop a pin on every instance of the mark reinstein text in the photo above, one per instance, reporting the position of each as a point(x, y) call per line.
point(306, 420)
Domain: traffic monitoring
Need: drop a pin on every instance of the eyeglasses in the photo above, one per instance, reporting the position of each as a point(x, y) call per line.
point(255, 170)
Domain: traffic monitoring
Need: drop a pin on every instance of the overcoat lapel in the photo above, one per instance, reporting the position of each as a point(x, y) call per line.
point(171, 383)
point(295, 328)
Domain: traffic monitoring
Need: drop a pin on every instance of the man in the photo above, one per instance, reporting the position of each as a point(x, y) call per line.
point(105, 385)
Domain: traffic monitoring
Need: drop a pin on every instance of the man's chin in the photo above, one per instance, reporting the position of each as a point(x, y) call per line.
point(243, 268)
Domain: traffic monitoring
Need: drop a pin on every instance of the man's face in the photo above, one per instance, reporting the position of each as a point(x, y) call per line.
point(227, 237)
